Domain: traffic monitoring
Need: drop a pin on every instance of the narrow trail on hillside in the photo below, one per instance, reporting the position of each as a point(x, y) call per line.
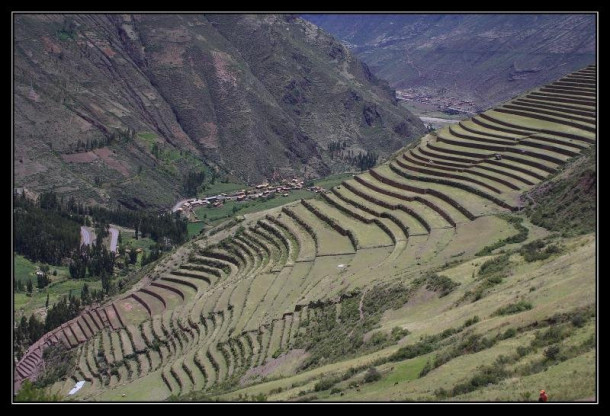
point(360, 305)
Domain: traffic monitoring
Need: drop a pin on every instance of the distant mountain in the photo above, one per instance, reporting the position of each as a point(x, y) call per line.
point(466, 61)
point(121, 107)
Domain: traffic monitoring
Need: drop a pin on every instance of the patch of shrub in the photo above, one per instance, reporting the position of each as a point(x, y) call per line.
point(552, 352)
point(409, 351)
point(495, 267)
point(471, 321)
point(473, 343)
point(579, 320)
point(553, 335)
point(438, 283)
point(448, 332)
point(491, 273)
point(399, 333)
point(441, 393)
point(521, 236)
point(328, 339)
point(29, 393)
point(509, 333)
point(58, 363)
point(350, 373)
point(372, 375)
point(486, 375)
point(513, 308)
point(523, 351)
point(533, 251)
point(427, 368)
point(326, 383)
point(378, 338)
point(502, 359)
point(335, 390)
point(307, 398)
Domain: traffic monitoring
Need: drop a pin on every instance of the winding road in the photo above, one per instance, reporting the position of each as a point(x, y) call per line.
point(179, 204)
point(87, 237)
point(113, 239)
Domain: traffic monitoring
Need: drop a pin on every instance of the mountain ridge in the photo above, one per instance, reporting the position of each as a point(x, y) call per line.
point(466, 61)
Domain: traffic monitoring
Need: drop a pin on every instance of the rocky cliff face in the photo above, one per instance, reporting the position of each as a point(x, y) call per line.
point(119, 107)
point(467, 61)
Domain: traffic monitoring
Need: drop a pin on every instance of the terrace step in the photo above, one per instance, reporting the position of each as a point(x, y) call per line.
point(306, 243)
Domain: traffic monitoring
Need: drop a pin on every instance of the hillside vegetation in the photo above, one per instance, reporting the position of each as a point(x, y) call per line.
point(420, 279)
point(567, 203)
point(128, 109)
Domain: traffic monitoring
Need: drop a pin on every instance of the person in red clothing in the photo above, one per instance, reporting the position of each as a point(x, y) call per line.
point(543, 397)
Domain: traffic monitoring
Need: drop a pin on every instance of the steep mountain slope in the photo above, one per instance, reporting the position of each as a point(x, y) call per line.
point(120, 107)
point(469, 62)
point(398, 266)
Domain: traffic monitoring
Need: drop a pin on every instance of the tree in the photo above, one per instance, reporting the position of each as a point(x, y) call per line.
point(105, 282)
point(29, 393)
point(133, 256)
point(155, 150)
point(35, 329)
point(46, 304)
point(84, 294)
point(41, 280)
point(29, 286)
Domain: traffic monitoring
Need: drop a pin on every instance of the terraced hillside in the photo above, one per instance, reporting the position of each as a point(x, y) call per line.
point(236, 304)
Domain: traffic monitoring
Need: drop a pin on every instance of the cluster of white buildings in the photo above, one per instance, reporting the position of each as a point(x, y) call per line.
point(259, 191)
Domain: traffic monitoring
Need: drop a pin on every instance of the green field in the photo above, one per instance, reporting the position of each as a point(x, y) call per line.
point(333, 180)
point(212, 215)
point(220, 187)
point(26, 305)
point(23, 268)
point(147, 137)
point(194, 228)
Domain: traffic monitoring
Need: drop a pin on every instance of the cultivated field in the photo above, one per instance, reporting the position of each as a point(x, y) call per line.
point(237, 308)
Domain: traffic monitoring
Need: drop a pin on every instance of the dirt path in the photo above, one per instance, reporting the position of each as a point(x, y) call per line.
point(178, 204)
point(360, 305)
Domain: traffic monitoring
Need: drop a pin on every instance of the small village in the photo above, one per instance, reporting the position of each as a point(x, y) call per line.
point(263, 190)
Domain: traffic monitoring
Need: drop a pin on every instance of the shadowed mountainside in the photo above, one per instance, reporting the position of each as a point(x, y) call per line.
point(120, 107)
point(470, 62)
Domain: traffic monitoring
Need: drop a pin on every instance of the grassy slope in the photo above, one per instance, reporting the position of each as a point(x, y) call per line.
point(24, 269)
point(567, 203)
point(60, 285)
point(558, 284)
point(563, 283)
point(214, 215)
